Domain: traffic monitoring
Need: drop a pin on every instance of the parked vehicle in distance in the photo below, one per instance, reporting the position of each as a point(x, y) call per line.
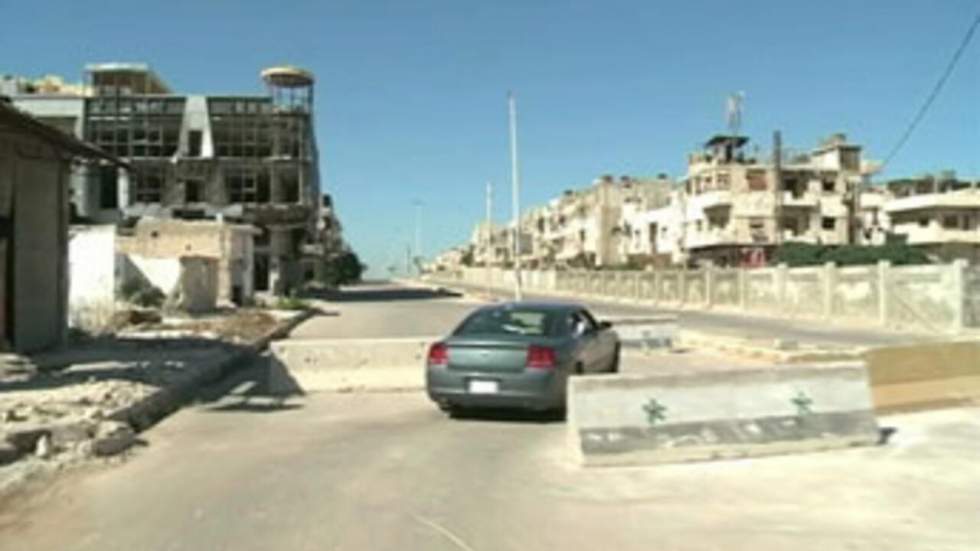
point(518, 355)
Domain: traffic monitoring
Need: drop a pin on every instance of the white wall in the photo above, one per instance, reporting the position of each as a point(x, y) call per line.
point(93, 270)
point(163, 273)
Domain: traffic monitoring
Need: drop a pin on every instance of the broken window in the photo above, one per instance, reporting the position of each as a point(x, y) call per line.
point(723, 181)
point(951, 222)
point(792, 224)
point(757, 229)
point(829, 186)
point(828, 223)
point(194, 138)
point(757, 180)
point(850, 159)
point(239, 127)
point(246, 185)
point(289, 186)
point(193, 191)
point(148, 183)
point(924, 221)
point(108, 187)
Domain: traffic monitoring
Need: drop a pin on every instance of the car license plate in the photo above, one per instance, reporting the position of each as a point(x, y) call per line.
point(483, 387)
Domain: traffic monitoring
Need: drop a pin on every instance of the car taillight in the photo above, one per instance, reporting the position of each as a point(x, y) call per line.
point(540, 357)
point(438, 354)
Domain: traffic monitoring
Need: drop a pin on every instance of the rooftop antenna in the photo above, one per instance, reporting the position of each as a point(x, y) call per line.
point(733, 112)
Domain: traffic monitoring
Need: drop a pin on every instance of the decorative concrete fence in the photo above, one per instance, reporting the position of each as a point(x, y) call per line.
point(938, 298)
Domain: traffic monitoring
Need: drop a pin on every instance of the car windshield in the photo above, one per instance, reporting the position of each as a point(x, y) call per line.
point(509, 321)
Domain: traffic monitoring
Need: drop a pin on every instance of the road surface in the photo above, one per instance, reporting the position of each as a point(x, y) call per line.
point(245, 470)
point(387, 471)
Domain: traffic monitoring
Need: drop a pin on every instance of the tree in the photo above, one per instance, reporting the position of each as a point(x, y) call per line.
point(344, 269)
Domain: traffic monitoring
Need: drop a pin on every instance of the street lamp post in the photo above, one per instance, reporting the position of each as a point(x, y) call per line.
point(488, 252)
point(515, 196)
point(418, 236)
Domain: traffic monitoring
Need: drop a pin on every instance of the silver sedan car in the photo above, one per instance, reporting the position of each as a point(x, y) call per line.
point(518, 355)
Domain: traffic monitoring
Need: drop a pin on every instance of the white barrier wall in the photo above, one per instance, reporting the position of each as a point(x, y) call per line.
point(642, 419)
point(935, 298)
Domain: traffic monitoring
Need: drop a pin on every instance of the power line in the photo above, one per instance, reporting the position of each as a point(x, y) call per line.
point(935, 92)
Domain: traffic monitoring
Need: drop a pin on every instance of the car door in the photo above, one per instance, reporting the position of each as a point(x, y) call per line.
point(591, 346)
point(603, 344)
point(575, 328)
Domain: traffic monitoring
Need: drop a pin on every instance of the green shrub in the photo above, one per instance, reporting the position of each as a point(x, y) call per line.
point(291, 303)
point(805, 254)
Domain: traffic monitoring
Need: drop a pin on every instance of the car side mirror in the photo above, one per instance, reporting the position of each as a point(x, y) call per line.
point(603, 325)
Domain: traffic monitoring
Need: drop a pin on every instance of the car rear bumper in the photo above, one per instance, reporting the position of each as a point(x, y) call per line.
point(528, 389)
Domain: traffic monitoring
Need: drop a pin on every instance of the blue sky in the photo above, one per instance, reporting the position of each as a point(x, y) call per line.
point(411, 96)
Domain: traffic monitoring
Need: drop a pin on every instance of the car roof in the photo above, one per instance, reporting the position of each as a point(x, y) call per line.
point(547, 306)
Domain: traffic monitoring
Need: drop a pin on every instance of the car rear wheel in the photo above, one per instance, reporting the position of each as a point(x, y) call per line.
point(614, 364)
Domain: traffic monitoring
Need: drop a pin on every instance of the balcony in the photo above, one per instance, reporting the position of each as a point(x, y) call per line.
point(806, 200)
point(712, 199)
point(967, 199)
point(710, 238)
point(935, 233)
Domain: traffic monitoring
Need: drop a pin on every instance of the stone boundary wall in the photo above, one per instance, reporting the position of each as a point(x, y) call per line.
point(937, 298)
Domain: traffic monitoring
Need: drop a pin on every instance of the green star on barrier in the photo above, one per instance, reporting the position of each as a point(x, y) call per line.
point(655, 411)
point(802, 403)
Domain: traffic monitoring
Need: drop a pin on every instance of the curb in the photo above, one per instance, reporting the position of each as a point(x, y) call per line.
point(148, 411)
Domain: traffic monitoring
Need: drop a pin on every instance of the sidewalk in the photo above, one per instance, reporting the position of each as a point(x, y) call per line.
point(88, 401)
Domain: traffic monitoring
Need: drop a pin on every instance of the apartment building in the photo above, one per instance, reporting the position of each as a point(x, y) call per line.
point(585, 228)
point(939, 214)
point(245, 158)
point(733, 211)
point(491, 244)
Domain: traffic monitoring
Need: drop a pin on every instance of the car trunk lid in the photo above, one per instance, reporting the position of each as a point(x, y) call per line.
point(487, 355)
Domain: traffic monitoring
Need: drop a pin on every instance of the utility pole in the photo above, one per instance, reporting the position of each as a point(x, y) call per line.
point(777, 162)
point(408, 260)
point(418, 234)
point(515, 196)
point(489, 244)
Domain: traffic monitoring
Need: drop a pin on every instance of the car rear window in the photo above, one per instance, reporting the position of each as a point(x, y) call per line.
point(509, 321)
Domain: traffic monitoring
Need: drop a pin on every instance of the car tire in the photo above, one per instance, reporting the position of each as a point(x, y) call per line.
point(452, 411)
point(614, 364)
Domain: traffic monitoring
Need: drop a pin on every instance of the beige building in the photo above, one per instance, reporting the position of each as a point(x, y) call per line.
point(585, 228)
point(733, 211)
point(940, 214)
point(154, 248)
point(491, 244)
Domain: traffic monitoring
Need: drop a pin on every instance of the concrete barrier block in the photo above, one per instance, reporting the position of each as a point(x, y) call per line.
point(647, 419)
point(645, 332)
point(340, 364)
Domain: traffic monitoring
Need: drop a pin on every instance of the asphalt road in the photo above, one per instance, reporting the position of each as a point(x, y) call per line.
point(385, 310)
point(245, 471)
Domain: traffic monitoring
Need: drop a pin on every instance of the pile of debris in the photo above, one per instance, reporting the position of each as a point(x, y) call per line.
point(66, 423)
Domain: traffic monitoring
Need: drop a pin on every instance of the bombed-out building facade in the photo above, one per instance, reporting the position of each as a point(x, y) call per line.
point(241, 158)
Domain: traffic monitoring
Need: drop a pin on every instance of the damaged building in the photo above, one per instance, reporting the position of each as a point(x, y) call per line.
point(245, 159)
